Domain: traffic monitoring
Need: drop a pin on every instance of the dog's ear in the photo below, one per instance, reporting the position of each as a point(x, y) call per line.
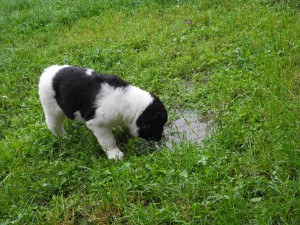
point(159, 118)
point(155, 113)
point(143, 121)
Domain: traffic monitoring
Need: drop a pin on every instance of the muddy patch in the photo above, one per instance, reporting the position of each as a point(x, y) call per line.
point(187, 126)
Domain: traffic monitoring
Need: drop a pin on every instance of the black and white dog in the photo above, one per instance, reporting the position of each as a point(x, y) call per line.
point(101, 102)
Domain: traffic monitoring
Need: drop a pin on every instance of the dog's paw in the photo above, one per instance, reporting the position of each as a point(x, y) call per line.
point(60, 133)
point(115, 154)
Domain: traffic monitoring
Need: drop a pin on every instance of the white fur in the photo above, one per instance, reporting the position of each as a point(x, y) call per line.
point(115, 106)
point(53, 113)
point(121, 106)
point(89, 72)
point(78, 117)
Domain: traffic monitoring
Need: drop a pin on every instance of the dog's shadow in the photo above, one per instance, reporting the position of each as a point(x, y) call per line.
point(84, 139)
point(133, 146)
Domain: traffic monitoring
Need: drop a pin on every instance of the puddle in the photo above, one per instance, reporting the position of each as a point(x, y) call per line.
point(189, 126)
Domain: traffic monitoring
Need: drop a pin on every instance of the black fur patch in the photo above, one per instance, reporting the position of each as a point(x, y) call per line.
point(151, 121)
point(77, 91)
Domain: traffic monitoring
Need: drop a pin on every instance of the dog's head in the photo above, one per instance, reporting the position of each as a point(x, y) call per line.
point(151, 122)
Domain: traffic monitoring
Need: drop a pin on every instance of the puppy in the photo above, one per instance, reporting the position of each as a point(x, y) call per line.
point(101, 102)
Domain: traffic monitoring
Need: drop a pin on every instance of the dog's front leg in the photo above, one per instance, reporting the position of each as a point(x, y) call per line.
point(107, 140)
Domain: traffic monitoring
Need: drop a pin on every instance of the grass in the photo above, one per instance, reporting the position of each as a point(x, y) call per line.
point(236, 62)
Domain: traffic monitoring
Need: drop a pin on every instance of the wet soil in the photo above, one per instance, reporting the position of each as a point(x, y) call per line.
point(188, 126)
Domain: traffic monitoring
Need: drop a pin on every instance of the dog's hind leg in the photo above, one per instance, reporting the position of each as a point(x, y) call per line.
point(54, 116)
point(53, 113)
point(55, 123)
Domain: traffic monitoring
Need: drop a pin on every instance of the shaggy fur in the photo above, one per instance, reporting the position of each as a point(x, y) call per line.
point(101, 102)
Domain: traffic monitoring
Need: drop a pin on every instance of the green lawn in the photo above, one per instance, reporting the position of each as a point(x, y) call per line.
point(234, 62)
